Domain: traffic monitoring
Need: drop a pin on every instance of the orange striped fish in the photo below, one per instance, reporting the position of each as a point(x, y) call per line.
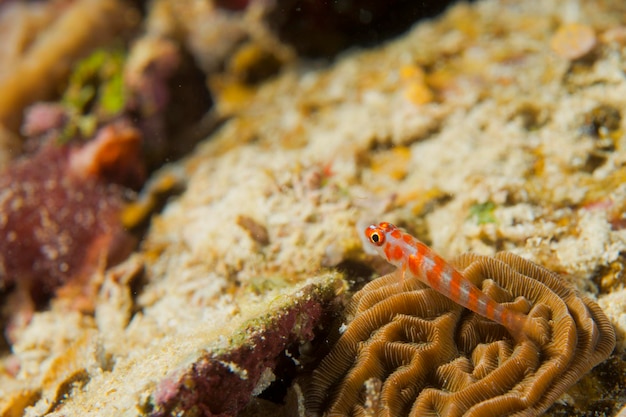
point(415, 259)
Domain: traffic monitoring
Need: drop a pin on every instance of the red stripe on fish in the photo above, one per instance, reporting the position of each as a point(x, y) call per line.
point(415, 258)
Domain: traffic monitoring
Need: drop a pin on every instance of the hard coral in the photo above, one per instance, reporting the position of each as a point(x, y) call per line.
point(59, 212)
point(435, 358)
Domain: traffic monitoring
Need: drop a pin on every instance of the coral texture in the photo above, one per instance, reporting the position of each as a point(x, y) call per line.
point(435, 358)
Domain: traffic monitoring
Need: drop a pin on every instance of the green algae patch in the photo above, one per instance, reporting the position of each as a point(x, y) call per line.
point(483, 213)
point(95, 91)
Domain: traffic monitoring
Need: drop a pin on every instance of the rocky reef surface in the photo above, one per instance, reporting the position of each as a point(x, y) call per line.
point(498, 126)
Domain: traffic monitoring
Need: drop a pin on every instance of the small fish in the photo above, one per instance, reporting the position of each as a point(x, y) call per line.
point(414, 259)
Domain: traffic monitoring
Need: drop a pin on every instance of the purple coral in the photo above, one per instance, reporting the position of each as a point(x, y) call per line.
point(59, 215)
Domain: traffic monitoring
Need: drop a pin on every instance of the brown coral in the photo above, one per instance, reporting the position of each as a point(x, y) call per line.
point(435, 358)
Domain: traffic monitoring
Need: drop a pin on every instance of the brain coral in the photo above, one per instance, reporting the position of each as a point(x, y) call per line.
point(409, 350)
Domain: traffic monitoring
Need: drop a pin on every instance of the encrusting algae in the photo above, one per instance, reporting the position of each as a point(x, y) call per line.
point(431, 357)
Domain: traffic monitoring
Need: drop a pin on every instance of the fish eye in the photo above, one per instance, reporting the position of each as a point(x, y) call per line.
point(375, 236)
